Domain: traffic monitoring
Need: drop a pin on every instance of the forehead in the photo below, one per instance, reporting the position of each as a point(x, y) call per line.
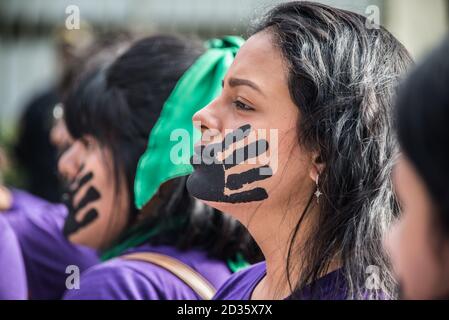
point(259, 60)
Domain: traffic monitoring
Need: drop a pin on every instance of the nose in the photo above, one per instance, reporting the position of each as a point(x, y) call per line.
point(70, 161)
point(208, 119)
point(59, 136)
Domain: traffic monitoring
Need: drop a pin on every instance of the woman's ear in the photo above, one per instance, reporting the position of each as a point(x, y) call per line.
point(317, 166)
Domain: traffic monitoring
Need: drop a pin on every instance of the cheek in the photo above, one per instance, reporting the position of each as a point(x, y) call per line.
point(112, 220)
point(414, 260)
point(103, 182)
point(290, 164)
point(112, 207)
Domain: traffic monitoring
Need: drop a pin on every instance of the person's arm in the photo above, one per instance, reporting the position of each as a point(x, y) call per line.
point(5, 194)
point(5, 198)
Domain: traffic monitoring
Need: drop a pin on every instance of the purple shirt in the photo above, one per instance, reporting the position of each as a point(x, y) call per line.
point(12, 270)
point(119, 279)
point(241, 285)
point(46, 252)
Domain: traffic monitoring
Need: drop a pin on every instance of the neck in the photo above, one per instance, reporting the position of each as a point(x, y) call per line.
point(272, 229)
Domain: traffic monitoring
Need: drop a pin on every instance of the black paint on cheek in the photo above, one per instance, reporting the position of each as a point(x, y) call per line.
point(71, 224)
point(237, 181)
point(250, 151)
point(208, 181)
point(91, 195)
point(85, 179)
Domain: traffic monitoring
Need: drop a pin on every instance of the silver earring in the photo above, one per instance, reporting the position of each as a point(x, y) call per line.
point(318, 193)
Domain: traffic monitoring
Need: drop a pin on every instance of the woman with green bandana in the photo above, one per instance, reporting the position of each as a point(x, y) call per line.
point(155, 240)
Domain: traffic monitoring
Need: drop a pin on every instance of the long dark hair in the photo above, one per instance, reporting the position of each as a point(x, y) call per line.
point(119, 105)
point(423, 130)
point(342, 77)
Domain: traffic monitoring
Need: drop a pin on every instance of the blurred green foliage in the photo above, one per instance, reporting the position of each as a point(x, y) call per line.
point(10, 173)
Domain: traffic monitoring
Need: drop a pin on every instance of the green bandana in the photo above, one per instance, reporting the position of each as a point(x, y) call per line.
point(197, 87)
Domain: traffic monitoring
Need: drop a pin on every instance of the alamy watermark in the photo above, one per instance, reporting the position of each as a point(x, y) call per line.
point(220, 148)
point(73, 19)
point(72, 282)
point(373, 280)
point(372, 17)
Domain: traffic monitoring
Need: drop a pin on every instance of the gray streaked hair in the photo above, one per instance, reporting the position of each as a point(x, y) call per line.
point(343, 78)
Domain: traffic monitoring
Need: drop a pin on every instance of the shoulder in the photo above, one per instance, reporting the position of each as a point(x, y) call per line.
point(5, 228)
point(11, 265)
point(35, 218)
point(241, 284)
point(38, 225)
point(7, 235)
point(10, 248)
point(21, 199)
point(120, 279)
point(213, 270)
point(35, 209)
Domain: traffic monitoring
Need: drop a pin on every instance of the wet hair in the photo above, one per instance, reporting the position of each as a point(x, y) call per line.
point(422, 118)
point(342, 76)
point(118, 106)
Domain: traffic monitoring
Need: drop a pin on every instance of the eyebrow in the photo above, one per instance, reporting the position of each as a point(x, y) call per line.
point(235, 82)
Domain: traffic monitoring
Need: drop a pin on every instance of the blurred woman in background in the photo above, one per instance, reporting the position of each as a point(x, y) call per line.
point(419, 242)
point(111, 115)
point(37, 223)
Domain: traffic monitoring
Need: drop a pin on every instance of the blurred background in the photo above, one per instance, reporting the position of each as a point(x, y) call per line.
point(35, 46)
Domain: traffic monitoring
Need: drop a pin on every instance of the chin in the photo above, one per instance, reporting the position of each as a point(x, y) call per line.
point(241, 211)
point(87, 241)
point(226, 208)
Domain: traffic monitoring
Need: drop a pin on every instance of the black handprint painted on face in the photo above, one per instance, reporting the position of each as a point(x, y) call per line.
point(209, 180)
point(71, 224)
